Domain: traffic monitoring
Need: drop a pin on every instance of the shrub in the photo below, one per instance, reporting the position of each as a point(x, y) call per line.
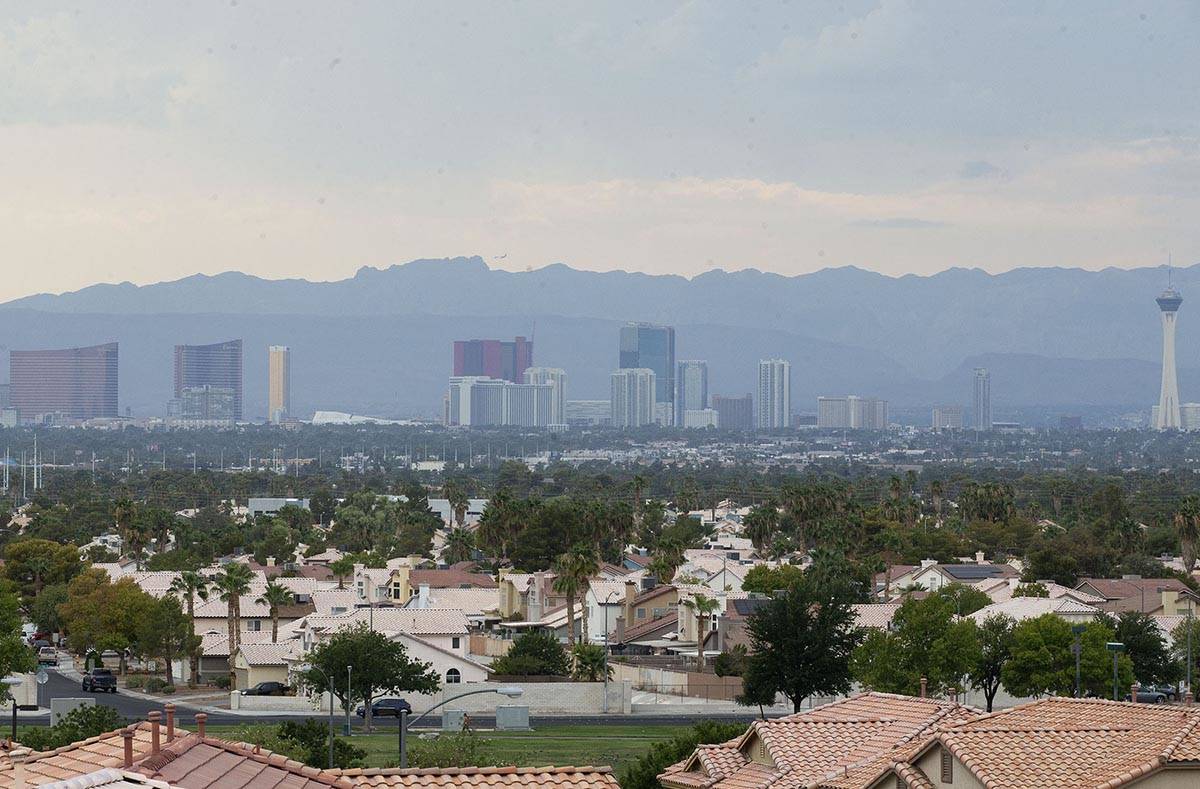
point(135, 681)
point(643, 773)
point(221, 681)
point(461, 749)
point(313, 735)
point(168, 689)
point(731, 663)
point(78, 724)
point(536, 652)
point(155, 684)
point(590, 663)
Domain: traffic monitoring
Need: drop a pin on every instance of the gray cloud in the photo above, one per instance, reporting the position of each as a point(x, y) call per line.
point(900, 222)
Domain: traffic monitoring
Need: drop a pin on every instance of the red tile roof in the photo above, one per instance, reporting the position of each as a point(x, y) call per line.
point(450, 579)
point(195, 762)
point(79, 758)
point(564, 777)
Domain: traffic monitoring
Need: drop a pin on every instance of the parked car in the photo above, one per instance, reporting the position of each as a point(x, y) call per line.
point(1167, 690)
point(266, 689)
point(381, 708)
point(47, 656)
point(100, 680)
point(1149, 695)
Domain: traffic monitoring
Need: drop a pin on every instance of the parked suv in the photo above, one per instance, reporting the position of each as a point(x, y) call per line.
point(266, 689)
point(47, 656)
point(100, 680)
point(381, 708)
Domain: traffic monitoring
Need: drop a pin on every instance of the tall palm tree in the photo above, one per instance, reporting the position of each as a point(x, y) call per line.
point(190, 585)
point(761, 524)
point(274, 597)
point(703, 607)
point(1187, 527)
point(341, 568)
point(231, 583)
point(460, 545)
point(935, 494)
point(458, 501)
point(573, 570)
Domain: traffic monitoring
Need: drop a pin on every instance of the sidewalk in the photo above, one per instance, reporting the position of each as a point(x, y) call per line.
point(187, 699)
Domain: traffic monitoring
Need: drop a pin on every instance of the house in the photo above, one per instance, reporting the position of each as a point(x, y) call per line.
point(258, 506)
point(731, 628)
point(876, 616)
point(605, 601)
point(1164, 596)
point(255, 663)
point(645, 603)
point(526, 596)
point(1022, 608)
point(479, 605)
point(1002, 589)
point(1058, 742)
point(825, 743)
point(932, 576)
point(213, 614)
point(214, 650)
point(104, 751)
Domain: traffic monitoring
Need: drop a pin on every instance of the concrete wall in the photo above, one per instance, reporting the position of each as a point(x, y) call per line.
point(679, 683)
point(542, 698)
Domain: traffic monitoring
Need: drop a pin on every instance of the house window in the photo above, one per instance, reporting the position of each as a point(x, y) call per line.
point(455, 642)
point(641, 613)
point(255, 625)
point(453, 676)
point(947, 767)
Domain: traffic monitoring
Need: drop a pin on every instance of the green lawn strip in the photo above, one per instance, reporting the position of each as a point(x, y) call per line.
point(548, 744)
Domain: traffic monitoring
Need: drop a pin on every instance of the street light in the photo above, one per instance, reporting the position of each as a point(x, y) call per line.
point(1116, 648)
point(607, 601)
point(510, 691)
point(328, 684)
point(13, 682)
point(1077, 649)
point(348, 694)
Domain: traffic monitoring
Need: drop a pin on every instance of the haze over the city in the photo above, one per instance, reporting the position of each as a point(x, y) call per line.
point(147, 143)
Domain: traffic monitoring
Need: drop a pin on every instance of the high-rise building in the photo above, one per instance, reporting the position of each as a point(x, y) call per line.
point(76, 383)
point(852, 411)
point(586, 413)
point(207, 404)
point(528, 405)
point(774, 394)
point(633, 393)
point(947, 417)
point(701, 418)
point(557, 379)
point(734, 413)
point(475, 401)
point(1169, 302)
point(501, 359)
point(981, 415)
point(218, 365)
point(691, 388)
point(649, 347)
point(1189, 416)
point(279, 383)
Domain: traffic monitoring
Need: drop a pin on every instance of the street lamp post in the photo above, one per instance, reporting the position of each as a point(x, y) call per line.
point(1116, 647)
point(607, 602)
point(329, 685)
point(1077, 649)
point(511, 691)
point(11, 683)
point(348, 699)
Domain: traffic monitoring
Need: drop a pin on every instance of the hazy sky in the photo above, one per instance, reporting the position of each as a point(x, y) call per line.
point(150, 140)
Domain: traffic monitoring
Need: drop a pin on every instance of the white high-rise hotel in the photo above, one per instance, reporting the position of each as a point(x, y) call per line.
point(774, 394)
point(1167, 415)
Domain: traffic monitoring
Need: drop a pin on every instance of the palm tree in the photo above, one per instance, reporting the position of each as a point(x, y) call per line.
point(273, 597)
point(460, 546)
point(40, 566)
point(341, 568)
point(231, 583)
point(573, 570)
point(703, 607)
point(190, 585)
point(761, 523)
point(935, 494)
point(1187, 527)
point(639, 498)
point(458, 501)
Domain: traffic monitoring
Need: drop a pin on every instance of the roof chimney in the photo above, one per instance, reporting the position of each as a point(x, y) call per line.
point(155, 741)
point(924, 686)
point(18, 757)
point(1133, 691)
point(200, 720)
point(1188, 698)
point(170, 721)
point(127, 736)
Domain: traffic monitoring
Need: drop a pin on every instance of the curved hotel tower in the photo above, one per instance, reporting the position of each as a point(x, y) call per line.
point(1168, 401)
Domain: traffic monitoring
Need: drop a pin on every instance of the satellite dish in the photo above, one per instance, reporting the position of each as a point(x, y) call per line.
point(42, 677)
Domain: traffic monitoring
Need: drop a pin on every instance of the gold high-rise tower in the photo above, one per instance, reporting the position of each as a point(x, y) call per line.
point(279, 383)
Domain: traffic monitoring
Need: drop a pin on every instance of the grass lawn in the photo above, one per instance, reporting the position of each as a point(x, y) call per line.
point(548, 744)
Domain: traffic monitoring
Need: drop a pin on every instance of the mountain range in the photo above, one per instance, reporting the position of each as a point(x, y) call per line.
point(379, 342)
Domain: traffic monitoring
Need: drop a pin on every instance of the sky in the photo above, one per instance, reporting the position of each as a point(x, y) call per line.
point(146, 141)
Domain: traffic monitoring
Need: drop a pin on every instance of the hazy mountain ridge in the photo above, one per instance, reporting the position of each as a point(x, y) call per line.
point(380, 340)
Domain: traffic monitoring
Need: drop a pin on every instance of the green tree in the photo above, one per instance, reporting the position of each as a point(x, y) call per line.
point(702, 608)
point(764, 579)
point(534, 653)
point(16, 657)
point(800, 643)
point(761, 524)
point(572, 572)
point(590, 663)
point(34, 564)
point(1042, 662)
point(456, 497)
point(79, 724)
point(190, 585)
point(995, 634)
point(965, 599)
point(103, 615)
point(44, 608)
point(322, 505)
point(230, 584)
point(342, 568)
point(1187, 528)
point(1148, 651)
point(165, 632)
point(274, 597)
point(380, 664)
point(460, 546)
point(927, 640)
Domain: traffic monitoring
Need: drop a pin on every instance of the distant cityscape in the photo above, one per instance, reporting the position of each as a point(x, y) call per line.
point(495, 383)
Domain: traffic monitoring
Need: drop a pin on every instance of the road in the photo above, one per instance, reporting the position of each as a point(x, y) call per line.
point(133, 708)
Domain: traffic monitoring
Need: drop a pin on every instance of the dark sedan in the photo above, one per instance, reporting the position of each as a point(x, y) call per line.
point(382, 708)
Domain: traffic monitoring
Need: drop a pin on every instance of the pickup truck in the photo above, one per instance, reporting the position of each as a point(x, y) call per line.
point(100, 680)
point(47, 656)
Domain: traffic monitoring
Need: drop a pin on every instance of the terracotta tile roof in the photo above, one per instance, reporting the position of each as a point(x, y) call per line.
point(473, 602)
point(216, 644)
point(451, 579)
point(565, 777)
point(875, 615)
point(195, 762)
point(650, 594)
point(651, 626)
point(268, 654)
point(825, 743)
point(418, 621)
point(1022, 608)
point(80, 758)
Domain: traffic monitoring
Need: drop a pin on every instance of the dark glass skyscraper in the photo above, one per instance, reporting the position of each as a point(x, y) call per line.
point(79, 383)
point(218, 365)
point(644, 345)
point(493, 358)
